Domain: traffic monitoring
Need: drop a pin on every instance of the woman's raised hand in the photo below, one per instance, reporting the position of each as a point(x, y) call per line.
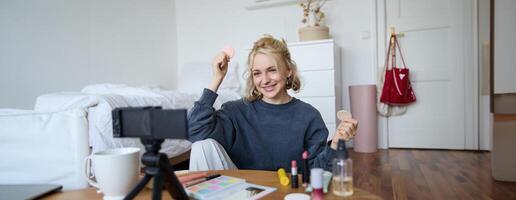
point(220, 65)
point(346, 129)
point(220, 68)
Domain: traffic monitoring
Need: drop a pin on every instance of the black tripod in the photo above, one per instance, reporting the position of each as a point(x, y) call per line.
point(157, 166)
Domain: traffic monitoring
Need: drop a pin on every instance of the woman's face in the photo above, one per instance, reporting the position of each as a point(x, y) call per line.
point(270, 79)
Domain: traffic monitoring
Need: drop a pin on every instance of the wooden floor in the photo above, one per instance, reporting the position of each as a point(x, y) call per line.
point(429, 174)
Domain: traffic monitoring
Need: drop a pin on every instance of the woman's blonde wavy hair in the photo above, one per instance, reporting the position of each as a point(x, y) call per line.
point(276, 49)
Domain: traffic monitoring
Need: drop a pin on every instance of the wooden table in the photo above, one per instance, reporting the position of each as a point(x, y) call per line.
point(266, 178)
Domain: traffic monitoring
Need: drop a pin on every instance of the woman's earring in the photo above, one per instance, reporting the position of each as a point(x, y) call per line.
point(289, 82)
point(255, 92)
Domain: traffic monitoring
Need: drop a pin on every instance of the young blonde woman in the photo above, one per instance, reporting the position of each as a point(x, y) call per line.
point(266, 129)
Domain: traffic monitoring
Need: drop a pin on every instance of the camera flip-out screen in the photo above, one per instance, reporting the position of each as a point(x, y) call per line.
point(150, 123)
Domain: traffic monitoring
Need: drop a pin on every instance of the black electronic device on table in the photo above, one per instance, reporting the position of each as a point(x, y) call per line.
point(153, 125)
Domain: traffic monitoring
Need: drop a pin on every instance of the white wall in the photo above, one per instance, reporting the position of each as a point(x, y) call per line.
point(205, 26)
point(504, 46)
point(62, 45)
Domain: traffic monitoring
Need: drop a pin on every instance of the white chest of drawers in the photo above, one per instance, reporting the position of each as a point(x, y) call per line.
point(318, 64)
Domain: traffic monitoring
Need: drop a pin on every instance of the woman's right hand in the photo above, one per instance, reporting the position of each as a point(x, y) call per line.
point(219, 65)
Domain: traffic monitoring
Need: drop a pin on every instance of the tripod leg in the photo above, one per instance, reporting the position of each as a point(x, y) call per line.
point(174, 187)
point(158, 186)
point(138, 187)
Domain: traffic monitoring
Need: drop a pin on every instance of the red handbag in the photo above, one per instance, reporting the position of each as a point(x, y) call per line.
point(397, 89)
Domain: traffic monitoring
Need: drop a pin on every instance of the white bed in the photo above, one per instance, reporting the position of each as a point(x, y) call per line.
point(100, 99)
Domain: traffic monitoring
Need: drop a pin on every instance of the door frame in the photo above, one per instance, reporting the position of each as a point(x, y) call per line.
point(471, 111)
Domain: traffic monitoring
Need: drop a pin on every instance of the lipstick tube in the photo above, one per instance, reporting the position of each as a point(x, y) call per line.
point(293, 174)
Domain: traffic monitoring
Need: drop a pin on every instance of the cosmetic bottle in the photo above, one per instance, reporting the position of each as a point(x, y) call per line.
point(316, 181)
point(342, 182)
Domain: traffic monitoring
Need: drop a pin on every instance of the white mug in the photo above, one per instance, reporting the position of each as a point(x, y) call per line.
point(116, 171)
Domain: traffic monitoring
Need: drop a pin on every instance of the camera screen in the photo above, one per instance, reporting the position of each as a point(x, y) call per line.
point(150, 123)
point(136, 123)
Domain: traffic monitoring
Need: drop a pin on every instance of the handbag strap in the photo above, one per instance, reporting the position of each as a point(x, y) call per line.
point(388, 53)
point(399, 49)
point(394, 39)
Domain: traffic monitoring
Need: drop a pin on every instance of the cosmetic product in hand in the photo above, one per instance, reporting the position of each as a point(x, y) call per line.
point(317, 183)
point(293, 174)
point(306, 169)
point(342, 182)
point(229, 51)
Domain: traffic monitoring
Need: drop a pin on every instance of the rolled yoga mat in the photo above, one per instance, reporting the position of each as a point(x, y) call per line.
point(363, 109)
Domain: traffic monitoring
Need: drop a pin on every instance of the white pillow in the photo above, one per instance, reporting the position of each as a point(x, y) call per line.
point(121, 89)
point(195, 77)
point(63, 101)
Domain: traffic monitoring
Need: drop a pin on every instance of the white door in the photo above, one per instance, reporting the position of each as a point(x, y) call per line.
point(433, 46)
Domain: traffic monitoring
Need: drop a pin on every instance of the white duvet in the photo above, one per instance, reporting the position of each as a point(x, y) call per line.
point(100, 100)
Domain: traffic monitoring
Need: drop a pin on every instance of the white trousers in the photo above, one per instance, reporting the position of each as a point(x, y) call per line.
point(209, 155)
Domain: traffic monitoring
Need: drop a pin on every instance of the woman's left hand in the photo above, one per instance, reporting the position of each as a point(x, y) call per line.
point(346, 130)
